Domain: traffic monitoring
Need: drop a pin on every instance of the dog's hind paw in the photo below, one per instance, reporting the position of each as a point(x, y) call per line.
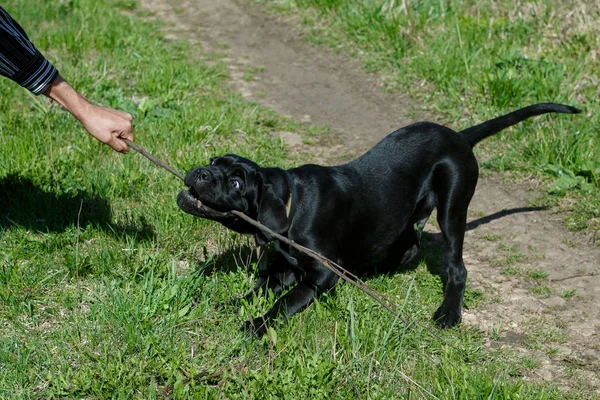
point(446, 317)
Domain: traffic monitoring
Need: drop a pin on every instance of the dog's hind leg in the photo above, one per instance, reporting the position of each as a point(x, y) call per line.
point(402, 253)
point(407, 246)
point(423, 212)
point(452, 218)
point(455, 273)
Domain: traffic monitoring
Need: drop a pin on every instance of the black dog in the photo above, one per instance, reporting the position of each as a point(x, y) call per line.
point(361, 215)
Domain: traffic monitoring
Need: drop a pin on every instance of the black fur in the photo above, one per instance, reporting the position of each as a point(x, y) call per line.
point(361, 215)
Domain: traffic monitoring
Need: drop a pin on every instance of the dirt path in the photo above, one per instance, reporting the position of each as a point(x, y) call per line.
point(509, 247)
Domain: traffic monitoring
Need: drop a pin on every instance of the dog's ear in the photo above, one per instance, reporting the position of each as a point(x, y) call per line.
point(271, 213)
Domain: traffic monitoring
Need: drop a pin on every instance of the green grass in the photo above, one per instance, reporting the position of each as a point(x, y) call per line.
point(471, 60)
point(107, 290)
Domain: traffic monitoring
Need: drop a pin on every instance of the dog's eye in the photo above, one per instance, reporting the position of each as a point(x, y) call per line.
point(236, 183)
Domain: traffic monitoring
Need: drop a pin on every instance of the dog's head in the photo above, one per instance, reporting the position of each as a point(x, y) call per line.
point(232, 183)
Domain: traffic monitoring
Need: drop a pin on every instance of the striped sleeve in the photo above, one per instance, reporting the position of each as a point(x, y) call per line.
point(20, 60)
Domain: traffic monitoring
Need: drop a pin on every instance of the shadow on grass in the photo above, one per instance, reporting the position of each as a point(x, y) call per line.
point(24, 204)
point(236, 258)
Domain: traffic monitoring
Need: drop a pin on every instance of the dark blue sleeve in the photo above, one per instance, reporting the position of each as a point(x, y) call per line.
point(19, 58)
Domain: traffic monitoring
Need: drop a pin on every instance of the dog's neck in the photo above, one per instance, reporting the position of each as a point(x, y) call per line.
point(291, 201)
point(290, 208)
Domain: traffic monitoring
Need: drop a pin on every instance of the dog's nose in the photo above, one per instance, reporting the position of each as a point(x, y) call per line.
point(193, 176)
point(198, 175)
point(205, 175)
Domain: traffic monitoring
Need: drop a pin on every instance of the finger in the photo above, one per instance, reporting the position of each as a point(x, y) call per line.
point(119, 145)
point(125, 115)
point(122, 114)
point(124, 147)
point(126, 135)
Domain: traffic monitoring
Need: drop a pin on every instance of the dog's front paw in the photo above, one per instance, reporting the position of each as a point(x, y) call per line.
point(257, 326)
point(446, 317)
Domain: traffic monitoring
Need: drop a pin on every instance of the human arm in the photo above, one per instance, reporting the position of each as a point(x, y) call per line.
point(24, 64)
point(107, 125)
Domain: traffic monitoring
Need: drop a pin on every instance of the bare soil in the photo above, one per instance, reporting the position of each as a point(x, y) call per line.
point(540, 282)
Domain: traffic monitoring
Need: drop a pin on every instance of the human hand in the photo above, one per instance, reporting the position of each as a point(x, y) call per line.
point(109, 126)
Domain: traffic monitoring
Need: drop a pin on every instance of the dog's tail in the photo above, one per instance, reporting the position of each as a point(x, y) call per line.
point(477, 133)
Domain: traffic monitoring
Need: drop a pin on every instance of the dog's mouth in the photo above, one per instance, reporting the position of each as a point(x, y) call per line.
point(189, 201)
point(195, 195)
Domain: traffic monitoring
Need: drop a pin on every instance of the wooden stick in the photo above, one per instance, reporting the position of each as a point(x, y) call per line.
point(155, 160)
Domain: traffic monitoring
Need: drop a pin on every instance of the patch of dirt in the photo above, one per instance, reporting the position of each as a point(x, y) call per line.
point(270, 62)
point(541, 283)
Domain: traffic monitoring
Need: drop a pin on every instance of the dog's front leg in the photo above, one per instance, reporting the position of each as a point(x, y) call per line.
point(274, 283)
point(297, 299)
point(275, 278)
